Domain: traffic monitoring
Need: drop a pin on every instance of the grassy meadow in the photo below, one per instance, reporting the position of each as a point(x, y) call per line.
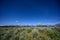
point(29, 33)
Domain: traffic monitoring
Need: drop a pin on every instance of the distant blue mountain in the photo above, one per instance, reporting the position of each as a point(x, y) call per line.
point(57, 24)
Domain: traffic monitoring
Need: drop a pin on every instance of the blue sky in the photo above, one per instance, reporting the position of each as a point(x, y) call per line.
point(29, 11)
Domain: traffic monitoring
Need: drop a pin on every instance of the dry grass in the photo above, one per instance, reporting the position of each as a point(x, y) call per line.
point(28, 33)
